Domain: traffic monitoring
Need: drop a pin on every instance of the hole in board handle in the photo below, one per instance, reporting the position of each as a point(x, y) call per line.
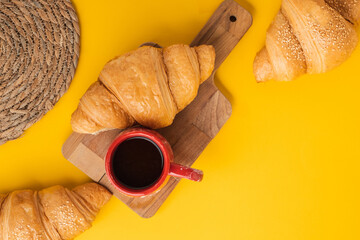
point(232, 18)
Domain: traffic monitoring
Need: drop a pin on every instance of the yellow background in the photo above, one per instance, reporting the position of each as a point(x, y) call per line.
point(285, 166)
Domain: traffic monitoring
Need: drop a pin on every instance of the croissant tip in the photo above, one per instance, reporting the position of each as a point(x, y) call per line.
point(260, 81)
point(262, 78)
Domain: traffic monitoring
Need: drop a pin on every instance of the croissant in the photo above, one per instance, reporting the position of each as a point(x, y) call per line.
point(307, 36)
point(53, 213)
point(349, 9)
point(148, 86)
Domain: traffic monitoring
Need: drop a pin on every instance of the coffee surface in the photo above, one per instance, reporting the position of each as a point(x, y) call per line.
point(137, 163)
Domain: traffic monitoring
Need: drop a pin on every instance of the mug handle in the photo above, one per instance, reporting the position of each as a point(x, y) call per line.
point(177, 170)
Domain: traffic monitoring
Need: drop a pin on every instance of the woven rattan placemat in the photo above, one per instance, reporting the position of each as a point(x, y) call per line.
point(39, 50)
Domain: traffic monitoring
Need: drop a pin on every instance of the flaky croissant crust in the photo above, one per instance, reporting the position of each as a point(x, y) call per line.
point(307, 36)
point(148, 86)
point(55, 213)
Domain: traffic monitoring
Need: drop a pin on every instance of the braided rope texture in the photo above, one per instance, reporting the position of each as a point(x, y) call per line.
point(39, 51)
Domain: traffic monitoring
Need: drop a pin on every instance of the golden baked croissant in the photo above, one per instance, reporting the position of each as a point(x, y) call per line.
point(149, 86)
point(349, 9)
point(306, 36)
point(55, 213)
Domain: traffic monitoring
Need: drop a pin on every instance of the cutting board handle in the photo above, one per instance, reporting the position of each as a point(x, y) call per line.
point(224, 29)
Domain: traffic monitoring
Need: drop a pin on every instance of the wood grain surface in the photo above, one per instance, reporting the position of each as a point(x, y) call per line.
point(192, 129)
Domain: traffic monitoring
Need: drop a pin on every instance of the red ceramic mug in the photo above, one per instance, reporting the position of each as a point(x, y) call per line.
point(169, 168)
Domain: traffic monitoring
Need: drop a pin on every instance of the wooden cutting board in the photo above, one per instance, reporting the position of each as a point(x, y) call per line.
point(193, 128)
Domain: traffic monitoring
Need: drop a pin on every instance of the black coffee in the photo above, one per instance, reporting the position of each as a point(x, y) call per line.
point(137, 163)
